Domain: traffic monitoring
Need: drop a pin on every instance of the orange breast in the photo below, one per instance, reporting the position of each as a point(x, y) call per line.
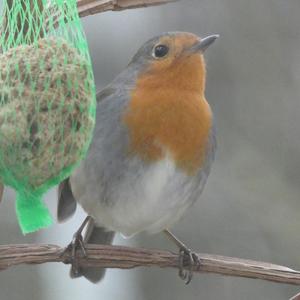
point(168, 115)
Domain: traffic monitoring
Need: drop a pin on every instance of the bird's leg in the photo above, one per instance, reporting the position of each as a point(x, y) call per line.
point(184, 252)
point(77, 243)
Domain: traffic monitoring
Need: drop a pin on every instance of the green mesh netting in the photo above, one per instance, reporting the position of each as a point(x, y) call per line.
point(47, 101)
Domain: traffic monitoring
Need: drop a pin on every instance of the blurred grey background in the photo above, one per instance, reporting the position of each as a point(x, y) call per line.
point(251, 205)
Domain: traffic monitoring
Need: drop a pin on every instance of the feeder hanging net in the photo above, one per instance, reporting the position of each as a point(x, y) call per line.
point(47, 101)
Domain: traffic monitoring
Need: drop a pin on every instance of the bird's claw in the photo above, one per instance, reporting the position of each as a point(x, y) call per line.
point(190, 259)
point(77, 244)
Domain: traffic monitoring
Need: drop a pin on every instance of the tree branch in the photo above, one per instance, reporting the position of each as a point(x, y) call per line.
point(90, 7)
point(126, 258)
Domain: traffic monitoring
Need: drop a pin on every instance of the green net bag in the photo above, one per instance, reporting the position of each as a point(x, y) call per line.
point(47, 101)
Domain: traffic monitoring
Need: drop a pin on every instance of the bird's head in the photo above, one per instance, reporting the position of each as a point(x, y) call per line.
point(174, 58)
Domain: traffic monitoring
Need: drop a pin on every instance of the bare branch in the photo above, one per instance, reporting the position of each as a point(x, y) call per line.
point(126, 258)
point(91, 7)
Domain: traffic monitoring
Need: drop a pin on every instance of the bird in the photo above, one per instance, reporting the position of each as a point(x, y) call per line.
point(153, 146)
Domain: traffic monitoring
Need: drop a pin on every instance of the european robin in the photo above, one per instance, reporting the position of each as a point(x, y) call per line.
point(152, 149)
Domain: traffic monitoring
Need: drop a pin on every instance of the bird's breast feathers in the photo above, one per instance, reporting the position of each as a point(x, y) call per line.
point(180, 124)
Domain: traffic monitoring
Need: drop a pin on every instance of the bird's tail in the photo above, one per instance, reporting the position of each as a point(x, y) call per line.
point(94, 235)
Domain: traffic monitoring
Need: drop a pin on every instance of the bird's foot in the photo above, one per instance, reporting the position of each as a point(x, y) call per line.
point(187, 258)
point(77, 244)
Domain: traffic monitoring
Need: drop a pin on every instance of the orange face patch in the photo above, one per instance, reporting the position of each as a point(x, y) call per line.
point(177, 47)
point(168, 113)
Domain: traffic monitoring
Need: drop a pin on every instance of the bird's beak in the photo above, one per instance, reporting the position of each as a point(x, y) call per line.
point(204, 43)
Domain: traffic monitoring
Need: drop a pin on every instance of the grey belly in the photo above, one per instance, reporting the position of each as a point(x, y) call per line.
point(136, 196)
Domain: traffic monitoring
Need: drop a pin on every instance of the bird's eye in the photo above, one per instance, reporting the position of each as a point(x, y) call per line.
point(160, 51)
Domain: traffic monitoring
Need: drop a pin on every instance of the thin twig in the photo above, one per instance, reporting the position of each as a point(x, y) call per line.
point(126, 258)
point(91, 7)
